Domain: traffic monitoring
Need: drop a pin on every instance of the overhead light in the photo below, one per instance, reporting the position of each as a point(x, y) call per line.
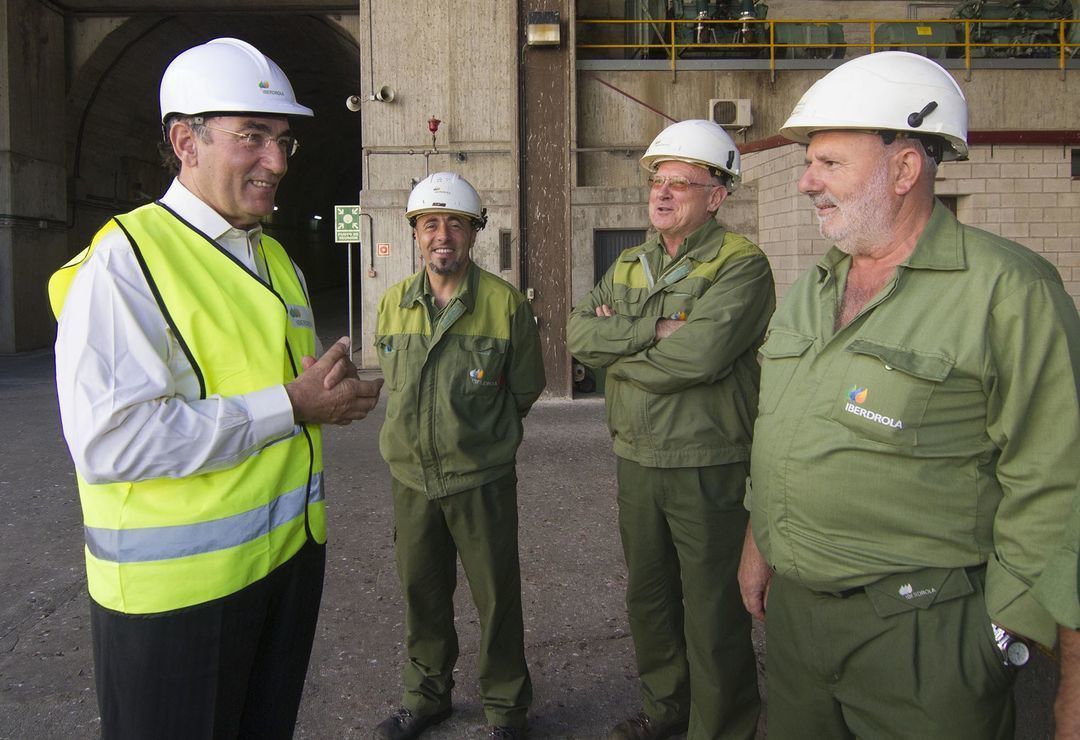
point(542, 28)
point(317, 217)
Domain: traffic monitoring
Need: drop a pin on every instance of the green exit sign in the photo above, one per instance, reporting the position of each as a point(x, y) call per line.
point(346, 224)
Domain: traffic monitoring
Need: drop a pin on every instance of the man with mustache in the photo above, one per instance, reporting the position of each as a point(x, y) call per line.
point(461, 354)
point(914, 455)
point(192, 403)
point(677, 322)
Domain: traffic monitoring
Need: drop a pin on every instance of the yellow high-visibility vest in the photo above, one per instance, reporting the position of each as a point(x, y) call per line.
point(166, 543)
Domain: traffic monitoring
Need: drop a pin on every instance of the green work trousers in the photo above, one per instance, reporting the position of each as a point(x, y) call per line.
point(481, 526)
point(682, 531)
point(837, 668)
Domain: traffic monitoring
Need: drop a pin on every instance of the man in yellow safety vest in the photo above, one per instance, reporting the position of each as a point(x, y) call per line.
point(191, 402)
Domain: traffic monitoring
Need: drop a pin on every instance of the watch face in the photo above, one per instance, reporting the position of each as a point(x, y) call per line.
point(1018, 653)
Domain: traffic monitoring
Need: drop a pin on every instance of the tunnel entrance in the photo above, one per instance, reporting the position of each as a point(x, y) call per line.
point(113, 131)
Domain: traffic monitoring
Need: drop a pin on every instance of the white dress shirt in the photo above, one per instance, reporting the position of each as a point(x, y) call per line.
point(129, 398)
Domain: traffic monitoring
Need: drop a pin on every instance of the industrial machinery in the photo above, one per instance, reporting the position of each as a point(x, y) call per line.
point(794, 40)
point(737, 29)
point(994, 32)
point(918, 38)
point(993, 28)
point(698, 34)
point(704, 32)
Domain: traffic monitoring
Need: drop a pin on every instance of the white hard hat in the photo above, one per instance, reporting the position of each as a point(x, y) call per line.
point(699, 142)
point(886, 91)
point(446, 192)
point(226, 76)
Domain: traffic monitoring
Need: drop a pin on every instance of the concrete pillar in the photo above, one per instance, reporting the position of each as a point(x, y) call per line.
point(33, 197)
point(544, 157)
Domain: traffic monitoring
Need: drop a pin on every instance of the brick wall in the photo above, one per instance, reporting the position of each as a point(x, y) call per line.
point(1025, 193)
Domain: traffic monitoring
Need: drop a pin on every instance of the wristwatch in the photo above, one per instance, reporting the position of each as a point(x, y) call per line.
point(1015, 652)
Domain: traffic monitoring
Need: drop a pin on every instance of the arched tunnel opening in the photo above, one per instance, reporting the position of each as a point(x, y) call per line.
point(113, 131)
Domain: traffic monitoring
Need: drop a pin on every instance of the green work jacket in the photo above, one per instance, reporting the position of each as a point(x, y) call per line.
point(458, 389)
point(940, 428)
point(688, 400)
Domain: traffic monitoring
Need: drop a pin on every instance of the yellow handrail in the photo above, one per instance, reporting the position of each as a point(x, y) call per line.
point(1062, 48)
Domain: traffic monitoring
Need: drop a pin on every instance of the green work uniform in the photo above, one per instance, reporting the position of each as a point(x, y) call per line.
point(935, 434)
point(681, 410)
point(460, 381)
point(1059, 584)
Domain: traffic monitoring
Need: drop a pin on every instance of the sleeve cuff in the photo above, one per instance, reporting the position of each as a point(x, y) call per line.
point(271, 414)
point(645, 332)
point(1056, 589)
point(1011, 604)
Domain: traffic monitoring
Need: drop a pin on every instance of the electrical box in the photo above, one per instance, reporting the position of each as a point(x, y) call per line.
point(730, 113)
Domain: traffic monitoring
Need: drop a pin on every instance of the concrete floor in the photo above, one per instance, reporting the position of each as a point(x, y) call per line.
point(577, 639)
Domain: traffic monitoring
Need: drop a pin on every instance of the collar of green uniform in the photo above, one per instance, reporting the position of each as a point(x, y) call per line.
point(940, 246)
point(702, 245)
point(466, 291)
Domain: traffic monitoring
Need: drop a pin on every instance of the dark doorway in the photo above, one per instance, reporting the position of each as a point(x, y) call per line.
point(608, 244)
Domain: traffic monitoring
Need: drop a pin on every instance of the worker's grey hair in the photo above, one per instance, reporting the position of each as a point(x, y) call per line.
point(197, 124)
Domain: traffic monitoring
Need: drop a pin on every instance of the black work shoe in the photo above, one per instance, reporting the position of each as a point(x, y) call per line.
point(404, 725)
point(640, 727)
point(505, 732)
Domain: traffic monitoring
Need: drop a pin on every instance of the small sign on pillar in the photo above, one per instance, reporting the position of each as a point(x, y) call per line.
point(346, 224)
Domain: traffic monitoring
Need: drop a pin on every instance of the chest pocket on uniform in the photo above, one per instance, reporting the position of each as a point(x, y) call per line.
point(481, 366)
point(393, 359)
point(884, 391)
point(782, 351)
point(627, 301)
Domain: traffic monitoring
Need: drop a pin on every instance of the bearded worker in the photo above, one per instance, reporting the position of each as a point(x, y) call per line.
point(914, 455)
point(462, 358)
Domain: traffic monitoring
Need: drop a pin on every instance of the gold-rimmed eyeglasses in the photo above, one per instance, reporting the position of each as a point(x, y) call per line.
point(257, 141)
point(676, 183)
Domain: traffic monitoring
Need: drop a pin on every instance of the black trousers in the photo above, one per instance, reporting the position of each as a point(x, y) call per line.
point(230, 668)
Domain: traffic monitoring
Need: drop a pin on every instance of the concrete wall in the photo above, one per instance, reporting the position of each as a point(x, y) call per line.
point(1027, 198)
point(32, 175)
point(608, 119)
point(463, 73)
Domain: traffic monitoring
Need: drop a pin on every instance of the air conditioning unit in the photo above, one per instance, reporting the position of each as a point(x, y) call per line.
point(731, 113)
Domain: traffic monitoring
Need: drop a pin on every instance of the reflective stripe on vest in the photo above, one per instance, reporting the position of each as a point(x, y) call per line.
point(162, 543)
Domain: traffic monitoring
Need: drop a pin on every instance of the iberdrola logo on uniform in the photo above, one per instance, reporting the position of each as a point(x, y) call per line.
point(854, 405)
point(264, 84)
point(476, 375)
